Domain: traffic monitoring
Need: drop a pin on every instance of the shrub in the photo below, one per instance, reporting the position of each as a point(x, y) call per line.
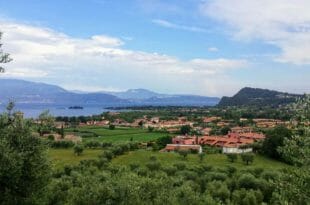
point(51, 137)
point(183, 153)
point(78, 149)
point(153, 166)
point(62, 144)
point(247, 158)
point(180, 165)
point(92, 144)
point(232, 157)
point(111, 127)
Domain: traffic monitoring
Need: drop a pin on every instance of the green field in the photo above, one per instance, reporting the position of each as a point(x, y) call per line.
point(119, 134)
point(62, 157)
point(217, 160)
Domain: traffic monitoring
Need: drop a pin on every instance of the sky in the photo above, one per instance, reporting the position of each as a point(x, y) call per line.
point(203, 47)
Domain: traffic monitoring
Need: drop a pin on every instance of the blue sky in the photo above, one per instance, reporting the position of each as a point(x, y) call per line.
point(211, 47)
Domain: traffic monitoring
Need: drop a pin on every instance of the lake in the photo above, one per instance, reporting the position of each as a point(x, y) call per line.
point(33, 111)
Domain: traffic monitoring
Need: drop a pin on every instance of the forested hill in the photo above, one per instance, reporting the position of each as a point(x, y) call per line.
point(258, 97)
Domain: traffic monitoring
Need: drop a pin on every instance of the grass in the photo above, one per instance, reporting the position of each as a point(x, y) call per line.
point(62, 157)
point(217, 160)
point(119, 134)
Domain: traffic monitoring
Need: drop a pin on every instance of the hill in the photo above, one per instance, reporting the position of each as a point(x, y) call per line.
point(258, 97)
point(25, 92)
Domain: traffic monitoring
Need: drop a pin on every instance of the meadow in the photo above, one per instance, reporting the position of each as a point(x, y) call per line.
point(61, 157)
point(117, 135)
point(142, 157)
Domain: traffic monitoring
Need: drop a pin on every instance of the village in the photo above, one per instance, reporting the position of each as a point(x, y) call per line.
point(212, 131)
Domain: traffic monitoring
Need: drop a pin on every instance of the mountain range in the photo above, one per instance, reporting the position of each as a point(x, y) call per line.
point(26, 92)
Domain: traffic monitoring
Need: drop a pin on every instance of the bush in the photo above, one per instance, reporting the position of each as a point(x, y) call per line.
point(232, 157)
point(51, 137)
point(78, 149)
point(92, 144)
point(247, 158)
point(183, 153)
point(111, 127)
point(62, 144)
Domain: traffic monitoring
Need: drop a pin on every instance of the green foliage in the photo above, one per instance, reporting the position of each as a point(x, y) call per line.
point(185, 129)
point(247, 158)
point(225, 130)
point(111, 127)
point(232, 157)
point(150, 129)
point(24, 168)
point(61, 144)
point(183, 153)
point(163, 141)
point(275, 139)
point(78, 149)
point(201, 156)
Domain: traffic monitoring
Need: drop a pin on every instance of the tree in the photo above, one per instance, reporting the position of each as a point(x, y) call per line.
point(150, 129)
point(247, 158)
point(163, 141)
point(183, 153)
point(111, 127)
point(201, 156)
point(225, 130)
point(185, 129)
point(46, 123)
point(78, 149)
point(4, 57)
point(275, 139)
point(232, 157)
point(24, 167)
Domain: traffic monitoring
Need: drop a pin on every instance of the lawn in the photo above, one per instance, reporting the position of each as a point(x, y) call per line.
point(62, 157)
point(119, 134)
point(217, 160)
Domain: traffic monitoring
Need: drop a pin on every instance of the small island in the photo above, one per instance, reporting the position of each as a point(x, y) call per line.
point(76, 107)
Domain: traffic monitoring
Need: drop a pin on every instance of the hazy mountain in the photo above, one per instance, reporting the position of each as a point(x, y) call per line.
point(27, 92)
point(257, 96)
point(143, 96)
point(136, 94)
point(22, 91)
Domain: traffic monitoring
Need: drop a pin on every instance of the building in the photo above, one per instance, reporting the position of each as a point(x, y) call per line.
point(178, 147)
point(227, 142)
point(235, 150)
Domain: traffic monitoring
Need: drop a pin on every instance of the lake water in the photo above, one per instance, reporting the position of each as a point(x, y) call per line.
point(33, 111)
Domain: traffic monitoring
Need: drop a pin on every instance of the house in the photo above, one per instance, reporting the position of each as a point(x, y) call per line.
point(211, 119)
point(178, 147)
point(241, 129)
point(230, 140)
point(235, 150)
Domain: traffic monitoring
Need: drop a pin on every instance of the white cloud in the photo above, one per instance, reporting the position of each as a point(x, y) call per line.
point(168, 24)
point(283, 23)
point(100, 62)
point(213, 49)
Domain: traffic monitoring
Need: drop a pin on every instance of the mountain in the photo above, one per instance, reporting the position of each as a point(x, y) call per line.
point(135, 94)
point(147, 97)
point(260, 97)
point(25, 92)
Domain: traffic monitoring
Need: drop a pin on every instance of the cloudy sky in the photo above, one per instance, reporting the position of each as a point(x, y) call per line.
point(205, 47)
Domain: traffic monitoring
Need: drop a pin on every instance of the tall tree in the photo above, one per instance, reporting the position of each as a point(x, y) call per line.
point(24, 168)
point(4, 57)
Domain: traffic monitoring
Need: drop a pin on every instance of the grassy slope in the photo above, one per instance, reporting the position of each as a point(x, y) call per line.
point(120, 134)
point(218, 160)
point(61, 157)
